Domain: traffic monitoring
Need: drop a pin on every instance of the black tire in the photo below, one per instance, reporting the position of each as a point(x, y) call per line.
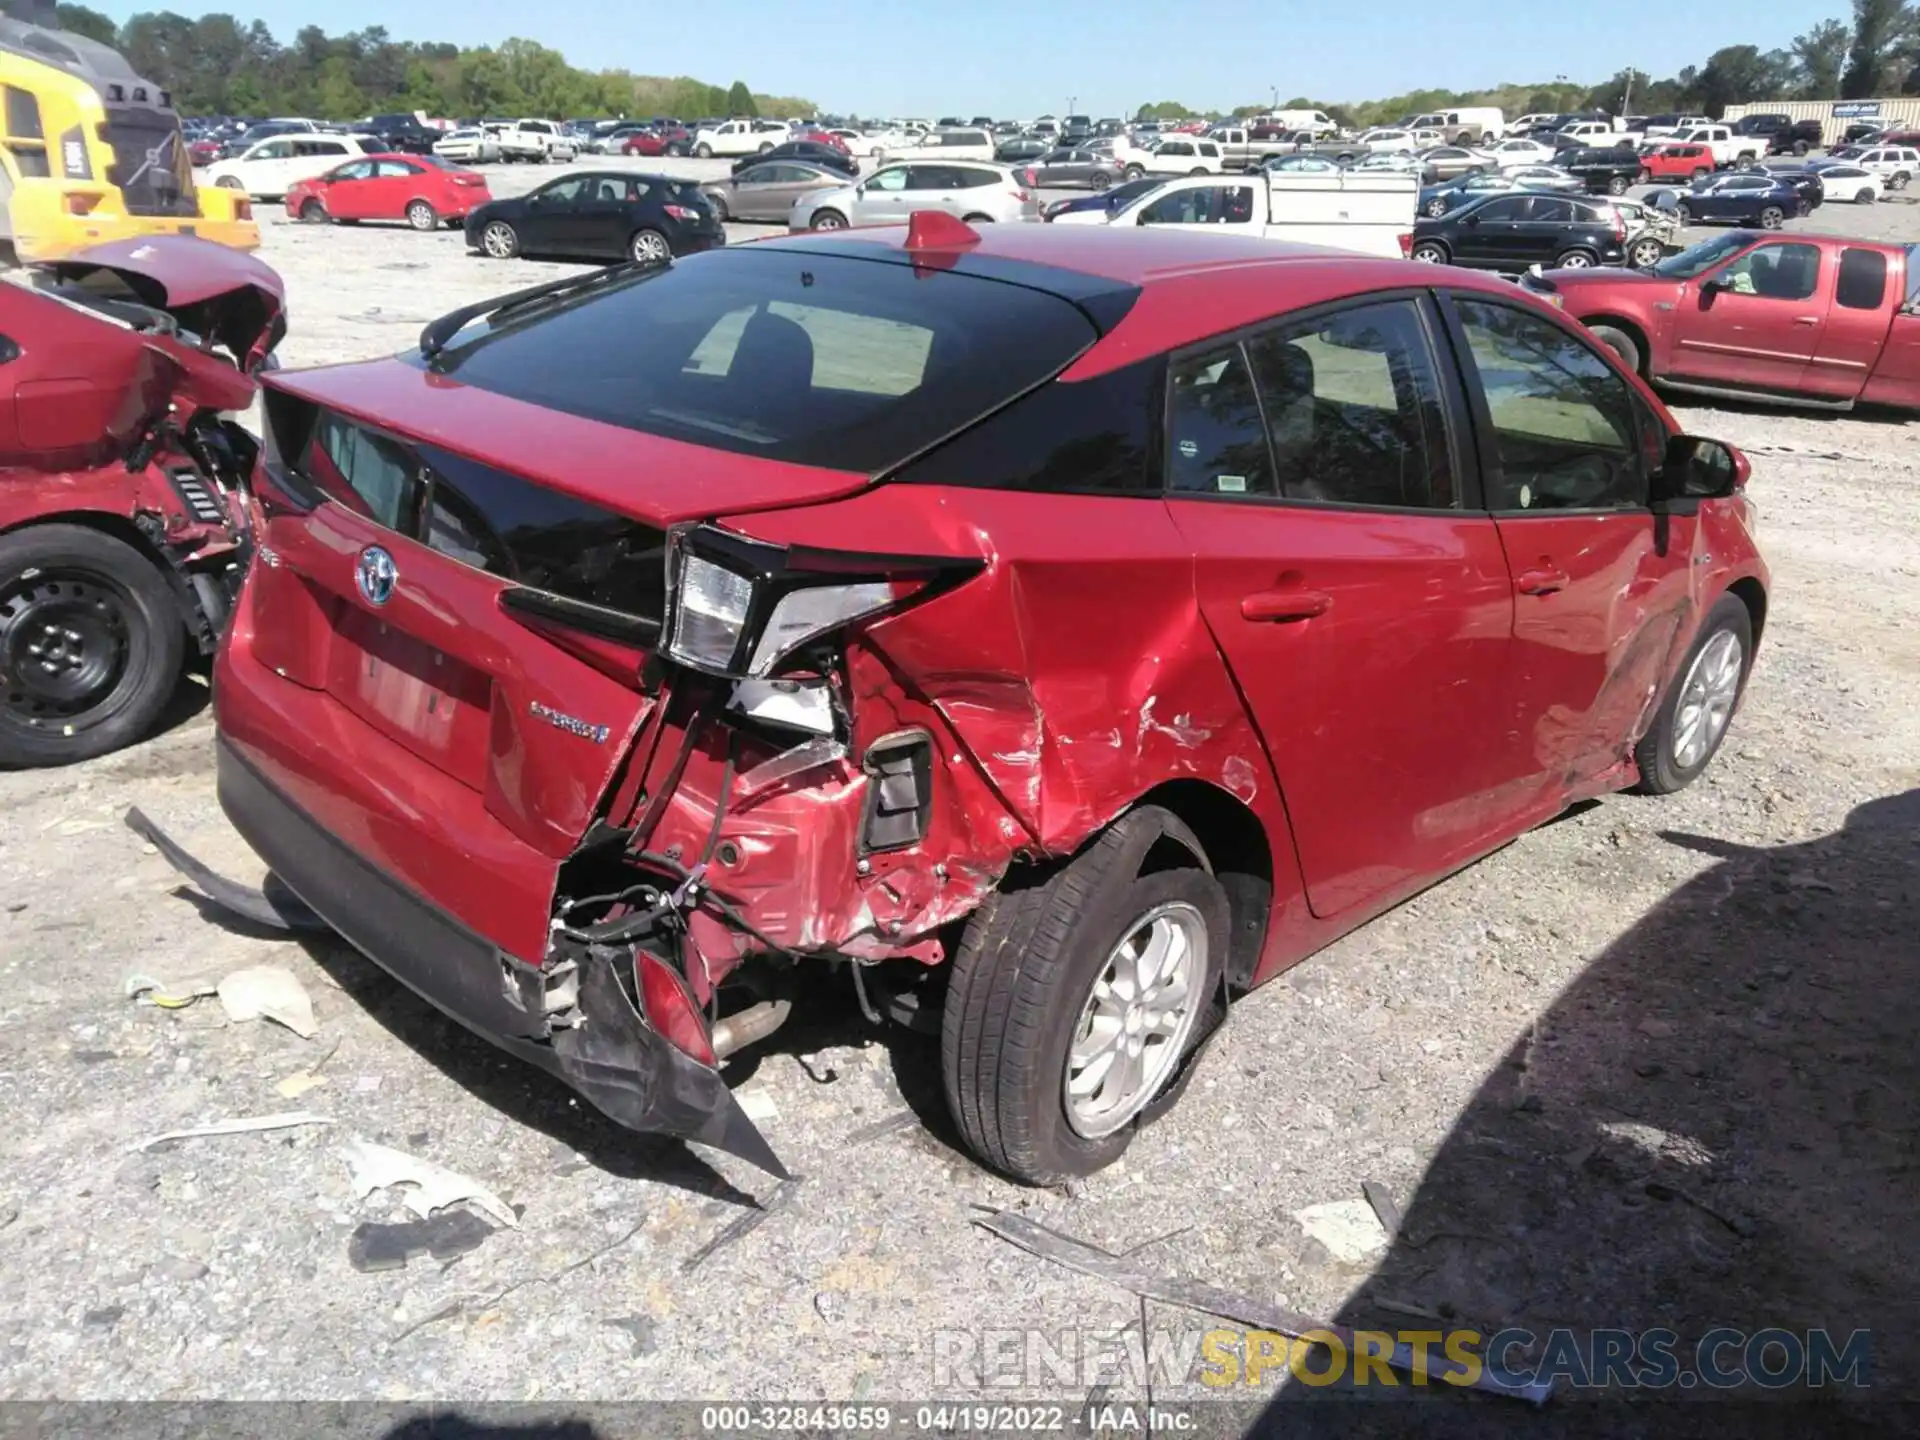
point(1661, 772)
point(1430, 252)
point(1645, 254)
point(647, 246)
point(1134, 172)
point(312, 212)
point(720, 211)
point(1576, 259)
point(1616, 185)
point(499, 240)
point(976, 219)
point(765, 146)
point(1100, 180)
point(703, 151)
point(1021, 978)
point(59, 582)
point(1621, 343)
point(1772, 217)
point(1865, 197)
point(1700, 172)
point(422, 216)
point(1899, 181)
point(1683, 214)
point(1436, 207)
point(827, 220)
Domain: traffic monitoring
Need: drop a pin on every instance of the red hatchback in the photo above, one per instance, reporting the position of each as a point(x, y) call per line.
point(1046, 633)
point(673, 140)
point(423, 190)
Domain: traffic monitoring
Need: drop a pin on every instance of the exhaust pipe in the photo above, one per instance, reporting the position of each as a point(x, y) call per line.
point(748, 1026)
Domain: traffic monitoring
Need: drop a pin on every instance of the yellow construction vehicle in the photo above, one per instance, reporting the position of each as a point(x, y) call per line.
point(91, 152)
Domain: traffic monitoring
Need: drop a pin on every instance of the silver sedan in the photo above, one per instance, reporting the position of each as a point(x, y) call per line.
point(768, 191)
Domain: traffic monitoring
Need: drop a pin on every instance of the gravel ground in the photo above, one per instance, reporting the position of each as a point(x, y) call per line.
point(1651, 1064)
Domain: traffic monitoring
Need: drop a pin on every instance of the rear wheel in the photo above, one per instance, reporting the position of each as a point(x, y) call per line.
point(1576, 260)
point(1436, 208)
point(1645, 254)
point(1430, 252)
point(1700, 172)
point(976, 219)
point(1074, 1001)
point(1134, 172)
point(1899, 181)
point(500, 240)
point(229, 182)
point(1617, 185)
point(1772, 217)
point(1683, 214)
point(649, 247)
point(1693, 717)
point(827, 220)
point(91, 645)
point(421, 216)
point(1100, 180)
point(1865, 197)
point(719, 209)
point(765, 146)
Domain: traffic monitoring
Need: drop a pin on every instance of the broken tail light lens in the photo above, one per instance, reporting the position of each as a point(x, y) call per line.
point(670, 1007)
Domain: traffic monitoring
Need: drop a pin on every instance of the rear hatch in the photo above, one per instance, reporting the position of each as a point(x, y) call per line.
point(468, 543)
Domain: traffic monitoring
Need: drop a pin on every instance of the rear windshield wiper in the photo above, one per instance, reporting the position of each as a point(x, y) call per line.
point(434, 338)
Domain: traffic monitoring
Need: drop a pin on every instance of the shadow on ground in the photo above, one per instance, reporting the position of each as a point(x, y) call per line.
point(1714, 1126)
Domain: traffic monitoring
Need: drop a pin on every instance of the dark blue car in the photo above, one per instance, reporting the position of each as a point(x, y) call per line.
point(1108, 200)
point(1753, 199)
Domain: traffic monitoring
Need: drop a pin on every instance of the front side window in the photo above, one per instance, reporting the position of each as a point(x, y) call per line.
point(1774, 272)
point(1202, 205)
point(1216, 440)
point(560, 192)
point(1562, 418)
point(1353, 407)
point(889, 180)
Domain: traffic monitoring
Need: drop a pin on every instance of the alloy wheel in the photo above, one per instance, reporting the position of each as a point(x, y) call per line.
point(1136, 1020)
point(421, 217)
point(650, 248)
point(499, 241)
point(1707, 696)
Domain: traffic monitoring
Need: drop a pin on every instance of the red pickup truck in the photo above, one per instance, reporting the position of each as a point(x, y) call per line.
point(1816, 320)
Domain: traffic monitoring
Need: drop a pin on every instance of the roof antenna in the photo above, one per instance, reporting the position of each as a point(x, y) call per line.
point(937, 230)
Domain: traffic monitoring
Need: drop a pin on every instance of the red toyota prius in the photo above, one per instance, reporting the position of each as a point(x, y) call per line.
point(1044, 633)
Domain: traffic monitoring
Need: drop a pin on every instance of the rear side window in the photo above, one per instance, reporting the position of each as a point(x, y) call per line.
point(789, 354)
point(1089, 436)
point(1863, 279)
point(23, 115)
point(1353, 406)
point(1216, 442)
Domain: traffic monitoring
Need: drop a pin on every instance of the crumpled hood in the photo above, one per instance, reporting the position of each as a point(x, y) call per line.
point(228, 296)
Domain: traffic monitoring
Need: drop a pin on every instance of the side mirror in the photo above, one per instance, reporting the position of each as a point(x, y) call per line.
point(1696, 469)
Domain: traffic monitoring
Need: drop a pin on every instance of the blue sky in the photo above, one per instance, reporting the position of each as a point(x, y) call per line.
point(1013, 58)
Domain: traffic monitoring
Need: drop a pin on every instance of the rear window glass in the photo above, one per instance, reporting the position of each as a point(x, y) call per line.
point(786, 354)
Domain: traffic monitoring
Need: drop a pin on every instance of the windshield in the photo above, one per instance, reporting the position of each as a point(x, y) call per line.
point(790, 354)
point(1697, 259)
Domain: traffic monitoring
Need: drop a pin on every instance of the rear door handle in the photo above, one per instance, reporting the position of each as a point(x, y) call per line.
point(1540, 581)
point(1806, 319)
point(1285, 604)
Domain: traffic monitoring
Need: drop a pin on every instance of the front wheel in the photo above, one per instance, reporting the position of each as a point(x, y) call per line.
point(421, 216)
point(1682, 214)
point(703, 151)
point(765, 146)
point(1617, 185)
point(1899, 181)
point(827, 220)
point(649, 247)
point(1429, 252)
point(1693, 717)
point(91, 645)
point(1134, 172)
point(313, 213)
point(1621, 343)
point(1100, 180)
point(1075, 1000)
point(500, 240)
point(229, 182)
point(719, 209)
point(1436, 208)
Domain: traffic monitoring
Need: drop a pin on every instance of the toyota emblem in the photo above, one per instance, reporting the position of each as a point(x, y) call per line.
point(376, 574)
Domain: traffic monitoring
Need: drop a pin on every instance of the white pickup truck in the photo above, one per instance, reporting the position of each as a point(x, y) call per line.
point(1727, 148)
point(739, 137)
point(537, 141)
point(1370, 212)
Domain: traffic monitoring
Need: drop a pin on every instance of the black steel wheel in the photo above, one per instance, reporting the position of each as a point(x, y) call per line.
point(91, 645)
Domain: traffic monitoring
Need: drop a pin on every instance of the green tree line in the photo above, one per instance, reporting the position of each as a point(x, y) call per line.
point(216, 65)
point(1876, 54)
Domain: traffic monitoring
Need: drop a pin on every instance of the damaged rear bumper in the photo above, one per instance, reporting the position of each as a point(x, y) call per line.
point(598, 1043)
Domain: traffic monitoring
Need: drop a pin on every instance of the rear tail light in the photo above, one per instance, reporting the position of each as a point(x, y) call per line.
point(670, 1007)
point(681, 212)
point(1406, 244)
point(1619, 225)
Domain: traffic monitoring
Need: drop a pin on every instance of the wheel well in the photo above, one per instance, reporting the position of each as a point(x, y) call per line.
point(126, 531)
point(1632, 331)
point(1235, 846)
point(1750, 594)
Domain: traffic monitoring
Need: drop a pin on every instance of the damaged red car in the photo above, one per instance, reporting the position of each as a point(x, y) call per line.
point(123, 529)
point(1049, 634)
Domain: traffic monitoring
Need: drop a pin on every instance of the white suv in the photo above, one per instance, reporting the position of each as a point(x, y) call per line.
point(1896, 165)
point(1177, 155)
point(268, 168)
